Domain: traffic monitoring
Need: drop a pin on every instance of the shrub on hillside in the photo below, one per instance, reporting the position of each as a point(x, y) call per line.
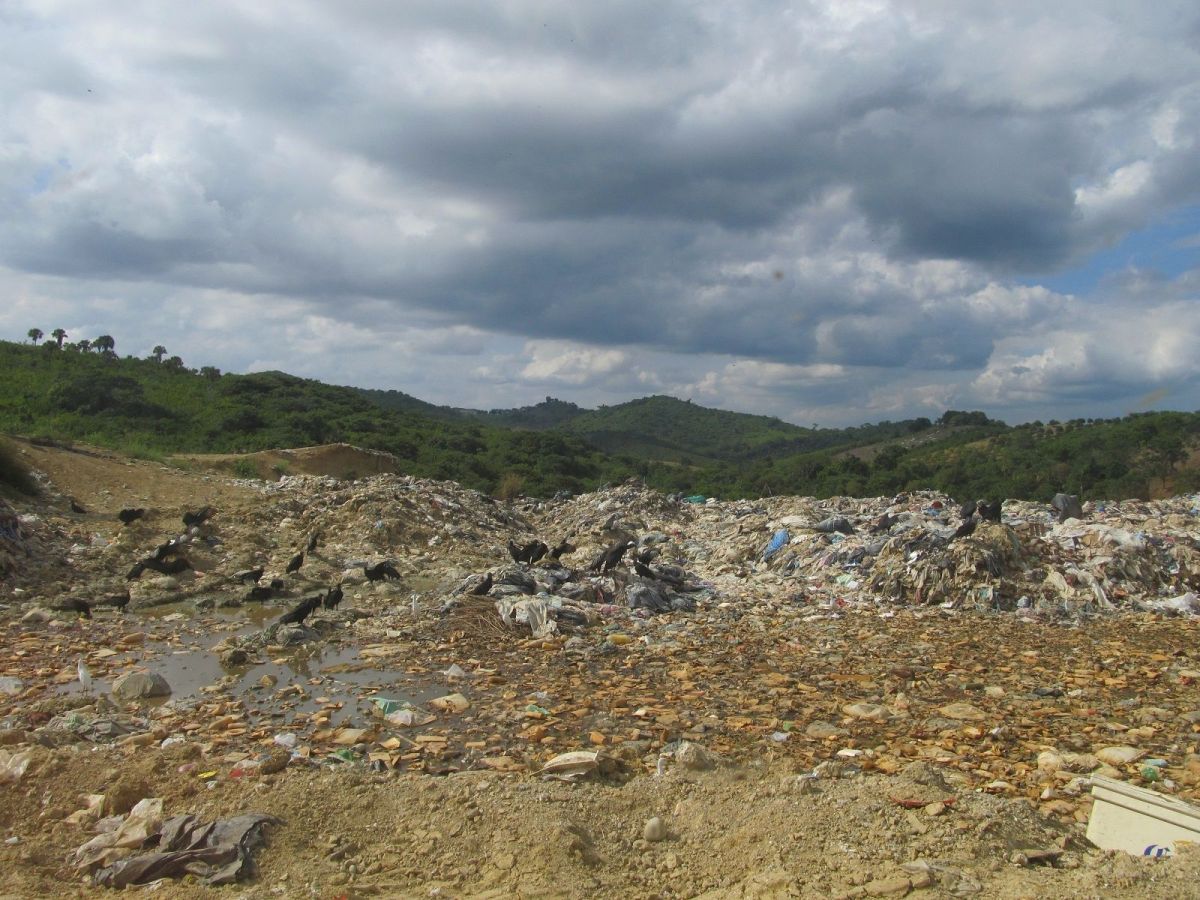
point(14, 472)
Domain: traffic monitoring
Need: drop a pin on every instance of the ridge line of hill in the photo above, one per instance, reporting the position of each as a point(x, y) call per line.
point(148, 407)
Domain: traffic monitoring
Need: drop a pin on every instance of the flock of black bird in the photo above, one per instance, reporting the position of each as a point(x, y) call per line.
point(301, 611)
point(296, 615)
point(169, 559)
point(986, 512)
point(607, 561)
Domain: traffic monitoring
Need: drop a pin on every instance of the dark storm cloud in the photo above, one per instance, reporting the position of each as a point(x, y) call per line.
point(839, 187)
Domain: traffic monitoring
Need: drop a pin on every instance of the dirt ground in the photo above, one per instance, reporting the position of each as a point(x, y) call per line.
point(855, 751)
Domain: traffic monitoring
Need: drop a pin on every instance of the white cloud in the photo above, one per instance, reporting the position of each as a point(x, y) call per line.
point(834, 207)
point(557, 362)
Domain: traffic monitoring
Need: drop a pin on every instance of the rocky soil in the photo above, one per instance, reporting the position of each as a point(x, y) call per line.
point(870, 708)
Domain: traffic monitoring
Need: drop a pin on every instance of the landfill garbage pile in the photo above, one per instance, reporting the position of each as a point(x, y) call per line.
point(903, 550)
point(893, 674)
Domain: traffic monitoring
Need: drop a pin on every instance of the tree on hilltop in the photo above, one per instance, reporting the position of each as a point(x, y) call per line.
point(35, 334)
point(104, 344)
point(59, 335)
point(159, 352)
point(83, 346)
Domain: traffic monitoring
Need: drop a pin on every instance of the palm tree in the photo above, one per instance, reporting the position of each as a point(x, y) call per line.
point(104, 345)
point(35, 334)
point(158, 353)
point(175, 363)
point(58, 334)
point(83, 346)
point(212, 373)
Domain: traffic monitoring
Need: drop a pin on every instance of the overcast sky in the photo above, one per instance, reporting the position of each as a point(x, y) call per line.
point(833, 212)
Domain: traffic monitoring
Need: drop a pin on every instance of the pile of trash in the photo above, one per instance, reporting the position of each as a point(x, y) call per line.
point(910, 550)
point(309, 533)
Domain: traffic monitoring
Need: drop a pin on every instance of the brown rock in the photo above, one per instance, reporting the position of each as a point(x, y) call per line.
point(276, 762)
point(125, 792)
point(896, 886)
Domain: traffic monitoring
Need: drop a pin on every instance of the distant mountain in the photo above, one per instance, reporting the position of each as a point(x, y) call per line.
point(550, 413)
point(669, 429)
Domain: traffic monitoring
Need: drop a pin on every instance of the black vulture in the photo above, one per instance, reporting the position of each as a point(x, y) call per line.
point(965, 529)
point(162, 550)
point(333, 597)
point(884, 523)
point(137, 570)
point(295, 563)
point(381, 572)
point(166, 567)
point(968, 509)
point(199, 517)
point(259, 593)
point(990, 512)
point(646, 555)
point(474, 585)
point(301, 611)
point(130, 515)
point(120, 601)
point(249, 576)
point(76, 506)
point(642, 569)
point(75, 605)
point(610, 558)
point(527, 553)
point(564, 547)
point(312, 541)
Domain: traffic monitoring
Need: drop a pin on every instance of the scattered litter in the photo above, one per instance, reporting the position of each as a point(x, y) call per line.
point(1139, 821)
point(217, 852)
point(571, 766)
point(13, 765)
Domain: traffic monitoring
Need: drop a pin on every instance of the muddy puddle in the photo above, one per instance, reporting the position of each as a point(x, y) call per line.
point(283, 686)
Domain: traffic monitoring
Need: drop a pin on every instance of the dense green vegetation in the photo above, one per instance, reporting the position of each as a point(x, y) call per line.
point(1137, 456)
point(14, 474)
point(550, 413)
point(151, 408)
point(398, 401)
point(155, 406)
point(670, 429)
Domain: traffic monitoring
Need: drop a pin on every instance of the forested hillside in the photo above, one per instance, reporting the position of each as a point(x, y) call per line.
point(151, 408)
point(156, 406)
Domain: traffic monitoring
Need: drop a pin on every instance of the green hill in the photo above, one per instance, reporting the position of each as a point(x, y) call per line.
point(1140, 456)
point(550, 413)
point(152, 408)
point(669, 429)
point(398, 401)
